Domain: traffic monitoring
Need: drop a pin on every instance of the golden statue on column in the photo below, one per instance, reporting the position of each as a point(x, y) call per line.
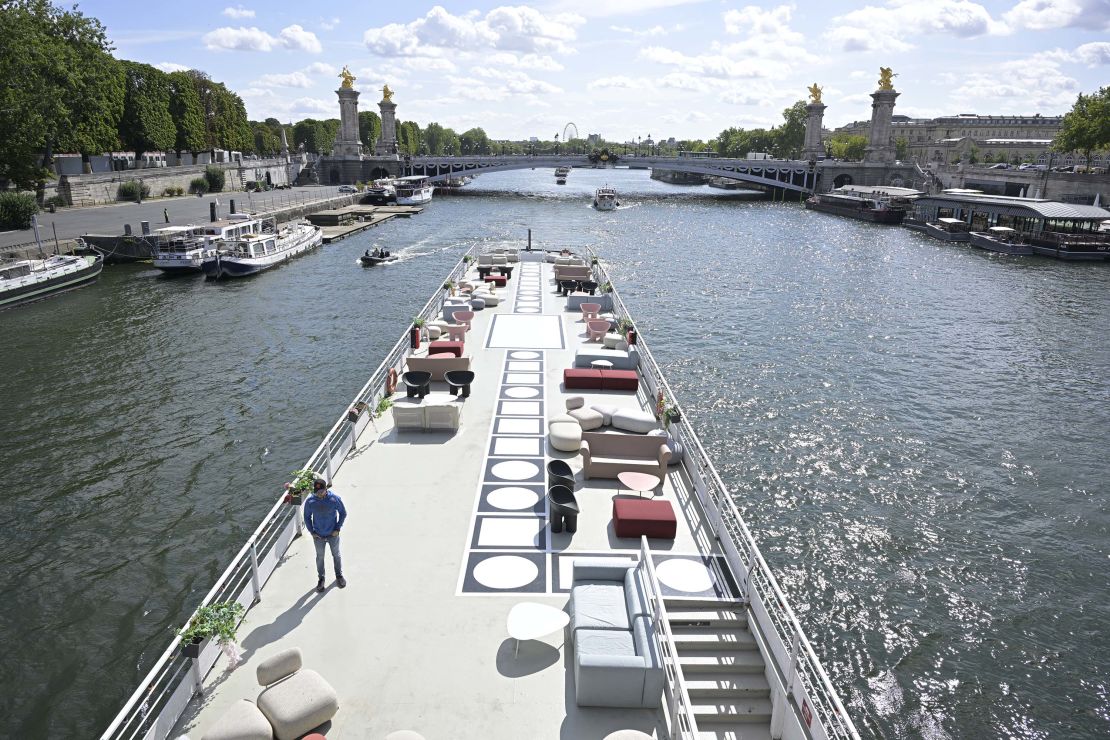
point(387, 94)
point(814, 93)
point(347, 77)
point(886, 78)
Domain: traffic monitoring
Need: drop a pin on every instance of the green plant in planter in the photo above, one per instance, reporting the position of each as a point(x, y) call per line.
point(383, 406)
point(593, 260)
point(303, 481)
point(606, 287)
point(671, 414)
point(418, 322)
point(449, 285)
point(468, 258)
point(624, 325)
point(219, 620)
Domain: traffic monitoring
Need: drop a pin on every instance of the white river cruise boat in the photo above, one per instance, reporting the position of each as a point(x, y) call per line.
point(183, 249)
point(24, 281)
point(530, 554)
point(413, 191)
point(605, 199)
point(561, 175)
point(254, 253)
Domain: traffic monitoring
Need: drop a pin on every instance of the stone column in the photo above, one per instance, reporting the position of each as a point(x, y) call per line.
point(387, 142)
point(813, 148)
point(347, 143)
point(881, 148)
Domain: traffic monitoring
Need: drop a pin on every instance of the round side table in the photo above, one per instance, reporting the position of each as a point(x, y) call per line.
point(639, 482)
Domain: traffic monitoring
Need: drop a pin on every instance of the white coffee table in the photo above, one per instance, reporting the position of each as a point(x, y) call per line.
point(530, 621)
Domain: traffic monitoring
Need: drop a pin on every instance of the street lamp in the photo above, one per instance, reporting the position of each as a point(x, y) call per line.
point(556, 145)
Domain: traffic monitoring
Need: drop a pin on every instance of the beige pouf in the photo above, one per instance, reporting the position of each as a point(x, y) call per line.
point(433, 331)
point(587, 417)
point(242, 721)
point(612, 340)
point(564, 433)
point(634, 420)
point(295, 699)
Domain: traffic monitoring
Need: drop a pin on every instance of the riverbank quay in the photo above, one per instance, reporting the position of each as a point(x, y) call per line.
point(58, 231)
point(339, 223)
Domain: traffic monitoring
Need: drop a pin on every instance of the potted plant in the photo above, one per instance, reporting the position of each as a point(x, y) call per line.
point(468, 258)
point(383, 406)
point(628, 330)
point(414, 333)
point(356, 411)
point(219, 620)
point(671, 414)
point(303, 481)
point(449, 286)
point(606, 287)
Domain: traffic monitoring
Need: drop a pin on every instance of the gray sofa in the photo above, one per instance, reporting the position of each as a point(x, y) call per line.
point(617, 662)
point(622, 359)
point(437, 366)
point(606, 455)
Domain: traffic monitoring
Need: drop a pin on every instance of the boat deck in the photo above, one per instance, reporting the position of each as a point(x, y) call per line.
point(446, 532)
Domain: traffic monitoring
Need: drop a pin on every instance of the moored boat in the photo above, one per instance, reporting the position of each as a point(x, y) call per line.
point(24, 281)
point(948, 230)
point(413, 191)
point(605, 199)
point(254, 253)
point(183, 249)
point(377, 257)
point(1000, 239)
point(881, 205)
point(561, 175)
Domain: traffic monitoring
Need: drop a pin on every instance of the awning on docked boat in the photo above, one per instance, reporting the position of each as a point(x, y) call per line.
point(951, 220)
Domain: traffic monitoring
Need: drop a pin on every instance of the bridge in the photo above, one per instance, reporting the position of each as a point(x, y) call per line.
point(781, 174)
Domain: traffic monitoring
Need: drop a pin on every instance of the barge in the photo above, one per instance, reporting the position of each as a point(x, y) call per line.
point(505, 577)
point(24, 281)
point(878, 204)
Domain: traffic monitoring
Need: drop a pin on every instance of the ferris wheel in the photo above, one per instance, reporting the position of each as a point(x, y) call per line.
point(567, 132)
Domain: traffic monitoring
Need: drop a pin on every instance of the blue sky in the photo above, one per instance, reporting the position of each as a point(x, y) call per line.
point(627, 68)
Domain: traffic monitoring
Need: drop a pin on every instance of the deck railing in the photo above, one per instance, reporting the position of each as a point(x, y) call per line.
point(678, 710)
point(803, 678)
point(152, 711)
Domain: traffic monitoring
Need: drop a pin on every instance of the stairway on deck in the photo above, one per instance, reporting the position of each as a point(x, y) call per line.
point(723, 669)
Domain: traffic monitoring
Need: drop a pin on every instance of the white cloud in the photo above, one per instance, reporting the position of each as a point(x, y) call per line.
point(653, 31)
point(238, 12)
point(172, 67)
point(682, 81)
point(320, 68)
point(616, 82)
point(1042, 15)
point(1094, 54)
point(712, 65)
point(515, 82)
point(308, 106)
point(609, 8)
point(767, 35)
point(886, 28)
point(329, 24)
point(292, 79)
point(538, 62)
point(519, 29)
point(255, 39)
point(1014, 87)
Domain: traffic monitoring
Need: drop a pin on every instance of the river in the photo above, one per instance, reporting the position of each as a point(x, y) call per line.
point(914, 430)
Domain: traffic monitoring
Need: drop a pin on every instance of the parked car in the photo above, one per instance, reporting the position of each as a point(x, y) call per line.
point(348, 189)
point(1000, 166)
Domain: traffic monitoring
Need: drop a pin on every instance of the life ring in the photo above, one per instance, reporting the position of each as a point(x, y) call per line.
point(391, 381)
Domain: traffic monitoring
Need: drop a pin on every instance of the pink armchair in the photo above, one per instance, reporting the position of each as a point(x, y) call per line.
point(464, 318)
point(597, 329)
point(590, 311)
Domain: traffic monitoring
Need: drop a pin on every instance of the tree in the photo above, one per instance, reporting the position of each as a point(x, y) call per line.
point(1086, 126)
point(230, 128)
point(369, 128)
point(267, 139)
point(791, 135)
point(147, 125)
point(187, 112)
point(973, 155)
point(901, 147)
point(475, 141)
point(847, 146)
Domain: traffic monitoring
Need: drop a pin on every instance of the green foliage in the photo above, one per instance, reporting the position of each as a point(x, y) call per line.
point(187, 112)
point(1086, 126)
point(417, 322)
point(198, 185)
point(225, 117)
point(303, 481)
point(791, 135)
point(16, 210)
point(973, 155)
point(267, 138)
point(383, 406)
point(901, 147)
point(317, 136)
point(847, 146)
point(132, 189)
point(57, 201)
point(475, 141)
point(215, 177)
point(147, 125)
point(369, 128)
point(219, 620)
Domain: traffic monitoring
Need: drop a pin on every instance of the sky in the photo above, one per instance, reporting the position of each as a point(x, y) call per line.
point(626, 68)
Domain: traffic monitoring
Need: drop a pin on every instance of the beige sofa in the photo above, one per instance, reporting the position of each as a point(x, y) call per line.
point(437, 366)
point(607, 455)
point(572, 273)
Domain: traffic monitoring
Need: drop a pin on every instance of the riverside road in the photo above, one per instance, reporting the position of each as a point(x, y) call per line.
point(189, 209)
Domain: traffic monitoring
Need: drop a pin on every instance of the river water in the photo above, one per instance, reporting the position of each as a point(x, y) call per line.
point(915, 431)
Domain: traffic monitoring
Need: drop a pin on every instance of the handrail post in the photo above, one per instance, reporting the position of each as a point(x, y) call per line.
point(748, 577)
point(256, 585)
point(327, 460)
point(792, 673)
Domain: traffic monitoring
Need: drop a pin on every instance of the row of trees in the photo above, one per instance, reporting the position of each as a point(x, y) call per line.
point(1086, 127)
point(785, 141)
point(64, 91)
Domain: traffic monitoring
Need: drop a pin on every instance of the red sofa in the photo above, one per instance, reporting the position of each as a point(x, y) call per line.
point(633, 517)
point(587, 378)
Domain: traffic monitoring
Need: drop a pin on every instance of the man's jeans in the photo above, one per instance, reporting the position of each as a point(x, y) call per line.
point(332, 542)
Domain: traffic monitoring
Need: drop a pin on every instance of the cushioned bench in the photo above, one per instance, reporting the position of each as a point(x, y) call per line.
point(455, 348)
point(580, 378)
point(498, 280)
point(617, 662)
point(437, 366)
point(622, 359)
point(642, 517)
point(605, 455)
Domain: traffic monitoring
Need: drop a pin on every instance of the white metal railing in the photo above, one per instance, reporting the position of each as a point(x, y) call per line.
point(152, 711)
point(679, 710)
point(805, 680)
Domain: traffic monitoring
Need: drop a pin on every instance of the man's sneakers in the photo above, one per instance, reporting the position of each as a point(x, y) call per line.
point(341, 581)
point(320, 585)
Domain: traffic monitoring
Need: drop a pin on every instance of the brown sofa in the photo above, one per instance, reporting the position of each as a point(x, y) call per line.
point(604, 455)
point(437, 366)
point(573, 273)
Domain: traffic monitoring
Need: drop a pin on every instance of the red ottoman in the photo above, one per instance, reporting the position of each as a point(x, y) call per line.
point(619, 380)
point(498, 280)
point(633, 517)
point(582, 378)
point(455, 348)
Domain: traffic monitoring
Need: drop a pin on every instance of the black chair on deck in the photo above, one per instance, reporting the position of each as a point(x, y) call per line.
point(416, 383)
point(564, 509)
point(459, 380)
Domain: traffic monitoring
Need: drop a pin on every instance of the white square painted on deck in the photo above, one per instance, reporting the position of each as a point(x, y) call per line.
point(512, 331)
point(524, 378)
point(516, 446)
point(520, 408)
point(518, 426)
point(502, 532)
point(523, 366)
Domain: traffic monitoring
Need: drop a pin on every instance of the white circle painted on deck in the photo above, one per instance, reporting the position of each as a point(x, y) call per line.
point(523, 355)
point(522, 392)
point(685, 575)
point(514, 470)
point(512, 498)
point(527, 310)
point(506, 571)
point(528, 291)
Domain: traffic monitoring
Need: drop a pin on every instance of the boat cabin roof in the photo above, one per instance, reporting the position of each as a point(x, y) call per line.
point(1001, 230)
point(877, 190)
point(952, 221)
point(1009, 205)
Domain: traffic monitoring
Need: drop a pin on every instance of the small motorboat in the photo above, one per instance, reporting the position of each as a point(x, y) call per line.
point(377, 257)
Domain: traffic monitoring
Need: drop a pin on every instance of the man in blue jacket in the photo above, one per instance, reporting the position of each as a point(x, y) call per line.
point(324, 515)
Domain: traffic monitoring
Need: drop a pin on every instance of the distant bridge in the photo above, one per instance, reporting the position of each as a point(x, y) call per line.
point(783, 174)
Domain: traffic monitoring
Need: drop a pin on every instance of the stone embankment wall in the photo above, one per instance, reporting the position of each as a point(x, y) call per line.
point(1070, 187)
point(97, 189)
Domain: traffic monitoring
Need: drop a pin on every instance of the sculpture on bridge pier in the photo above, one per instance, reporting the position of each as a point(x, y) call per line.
point(347, 143)
point(814, 93)
point(386, 145)
point(812, 148)
point(880, 148)
point(886, 78)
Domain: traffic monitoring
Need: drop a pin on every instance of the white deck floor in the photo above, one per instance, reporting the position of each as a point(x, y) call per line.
point(418, 639)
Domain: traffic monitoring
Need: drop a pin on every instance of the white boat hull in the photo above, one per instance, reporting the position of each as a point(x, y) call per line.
point(418, 197)
point(221, 266)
